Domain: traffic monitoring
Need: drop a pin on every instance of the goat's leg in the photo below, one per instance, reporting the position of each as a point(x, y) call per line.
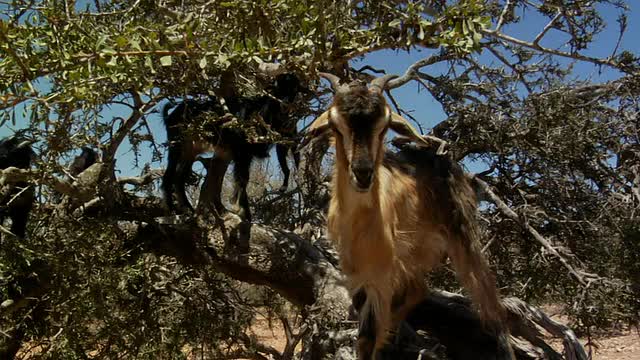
point(473, 271)
point(296, 156)
point(374, 322)
point(169, 178)
point(241, 178)
point(281, 151)
point(167, 186)
point(406, 299)
point(183, 170)
point(19, 210)
point(367, 330)
point(19, 223)
point(211, 190)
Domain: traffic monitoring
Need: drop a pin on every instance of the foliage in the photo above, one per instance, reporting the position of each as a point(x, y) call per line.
point(562, 153)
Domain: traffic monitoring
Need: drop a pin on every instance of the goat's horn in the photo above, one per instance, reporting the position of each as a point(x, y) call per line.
point(25, 143)
point(402, 126)
point(334, 80)
point(378, 84)
point(318, 127)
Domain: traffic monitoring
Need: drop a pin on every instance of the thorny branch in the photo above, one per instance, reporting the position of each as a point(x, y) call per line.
point(575, 55)
point(582, 277)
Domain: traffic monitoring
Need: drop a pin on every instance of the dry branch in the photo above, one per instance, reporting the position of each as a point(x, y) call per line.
point(301, 272)
point(582, 277)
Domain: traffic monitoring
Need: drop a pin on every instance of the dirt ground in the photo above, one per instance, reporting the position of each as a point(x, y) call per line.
point(619, 345)
point(616, 345)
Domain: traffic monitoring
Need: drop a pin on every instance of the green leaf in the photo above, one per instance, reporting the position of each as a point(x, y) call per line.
point(121, 41)
point(113, 61)
point(101, 40)
point(203, 62)
point(135, 43)
point(108, 51)
point(166, 60)
point(395, 23)
point(477, 37)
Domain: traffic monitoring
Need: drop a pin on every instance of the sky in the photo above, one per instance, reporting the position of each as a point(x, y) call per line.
point(419, 102)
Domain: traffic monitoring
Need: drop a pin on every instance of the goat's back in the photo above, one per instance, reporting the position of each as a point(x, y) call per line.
point(440, 181)
point(13, 155)
point(187, 113)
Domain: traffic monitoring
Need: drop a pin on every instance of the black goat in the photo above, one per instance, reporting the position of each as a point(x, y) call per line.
point(16, 201)
point(227, 143)
point(81, 162)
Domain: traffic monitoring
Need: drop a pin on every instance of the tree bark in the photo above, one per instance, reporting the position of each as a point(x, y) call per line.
point(443, 326)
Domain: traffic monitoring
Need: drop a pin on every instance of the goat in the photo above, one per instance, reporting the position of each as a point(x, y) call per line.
point(228, 144)
point(17, 200)
point(395, 216)
point(81, 162)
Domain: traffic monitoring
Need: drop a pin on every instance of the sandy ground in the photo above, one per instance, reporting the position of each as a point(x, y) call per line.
point(625, 346)
point(616, 345)
point(619, 345)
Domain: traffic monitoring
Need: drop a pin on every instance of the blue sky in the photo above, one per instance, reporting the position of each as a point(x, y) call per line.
point(420, 103)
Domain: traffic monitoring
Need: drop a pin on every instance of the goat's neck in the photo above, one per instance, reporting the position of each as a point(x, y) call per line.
point(356, 223)
point(351, 200)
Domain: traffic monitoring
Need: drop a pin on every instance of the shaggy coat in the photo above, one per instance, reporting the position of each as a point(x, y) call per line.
point(227, 143)
point(16, 200)
point(395, 216)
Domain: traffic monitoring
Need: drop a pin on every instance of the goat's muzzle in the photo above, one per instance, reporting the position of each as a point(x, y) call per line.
point(362, 175)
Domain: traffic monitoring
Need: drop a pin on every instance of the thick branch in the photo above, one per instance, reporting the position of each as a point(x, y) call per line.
point(147, 178)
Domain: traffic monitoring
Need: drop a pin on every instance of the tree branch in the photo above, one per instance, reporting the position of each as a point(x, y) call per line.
point(146, 178)
point(412, 71)
point(508, 212)
point(544, 31)
point(577, 56)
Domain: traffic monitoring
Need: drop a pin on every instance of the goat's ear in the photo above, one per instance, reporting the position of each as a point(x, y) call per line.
point(402, 126)
point(319, 127)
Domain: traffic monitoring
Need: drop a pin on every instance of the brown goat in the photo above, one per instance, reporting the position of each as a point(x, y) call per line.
point(395, 216)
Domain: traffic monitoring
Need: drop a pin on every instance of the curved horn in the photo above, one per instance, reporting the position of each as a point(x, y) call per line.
point(403, 127)
point(334, 80)
point(381, 82)
point(25, 143)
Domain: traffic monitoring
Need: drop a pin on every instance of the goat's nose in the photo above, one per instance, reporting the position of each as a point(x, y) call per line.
point(363, 174)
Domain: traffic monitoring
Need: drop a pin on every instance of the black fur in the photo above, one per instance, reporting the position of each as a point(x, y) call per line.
point(81, 162)
point(17, 202)
point(233, 141)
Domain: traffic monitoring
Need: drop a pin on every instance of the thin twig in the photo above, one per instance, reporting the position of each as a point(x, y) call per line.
point(547, 28)
point(508, 212)
point(507, 7)
point(577, 56)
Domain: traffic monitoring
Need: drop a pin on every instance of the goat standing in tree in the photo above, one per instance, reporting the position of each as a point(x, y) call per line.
point(228, 144)
point(394, 216)
point(16, 200)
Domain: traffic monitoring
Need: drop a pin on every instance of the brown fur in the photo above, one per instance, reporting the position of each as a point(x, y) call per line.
point(418, 209)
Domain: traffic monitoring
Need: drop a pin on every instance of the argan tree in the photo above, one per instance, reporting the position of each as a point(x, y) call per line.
point(106, 272)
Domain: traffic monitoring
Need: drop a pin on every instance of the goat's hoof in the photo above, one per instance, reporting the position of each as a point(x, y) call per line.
point(283, 188)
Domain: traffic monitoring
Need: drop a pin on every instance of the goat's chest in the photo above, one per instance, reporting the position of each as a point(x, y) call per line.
point(364, 241)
